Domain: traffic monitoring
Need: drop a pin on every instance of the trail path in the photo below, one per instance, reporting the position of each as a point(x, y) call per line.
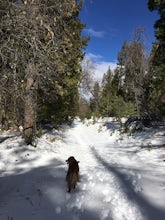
point(105, 192)
point(121, 178)
point(111, 172)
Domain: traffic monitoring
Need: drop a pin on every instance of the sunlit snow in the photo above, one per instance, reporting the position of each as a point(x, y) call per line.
point(122, 177)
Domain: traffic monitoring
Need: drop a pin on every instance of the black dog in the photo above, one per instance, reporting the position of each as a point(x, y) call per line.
point(72, 176)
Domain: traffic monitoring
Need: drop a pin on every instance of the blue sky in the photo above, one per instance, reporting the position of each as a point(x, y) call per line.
point(111, 22)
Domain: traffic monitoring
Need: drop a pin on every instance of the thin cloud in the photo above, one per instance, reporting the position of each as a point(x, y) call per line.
point(94, 57)
point(101, 66)
point(94, 33)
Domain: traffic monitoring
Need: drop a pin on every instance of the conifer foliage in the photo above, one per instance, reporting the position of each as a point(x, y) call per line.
point(40, 54)
point(156, 81)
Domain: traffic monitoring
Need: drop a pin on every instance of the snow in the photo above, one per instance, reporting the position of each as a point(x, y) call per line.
point(122, 177)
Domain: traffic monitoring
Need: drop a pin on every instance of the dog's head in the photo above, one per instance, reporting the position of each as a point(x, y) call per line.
point(71, 160)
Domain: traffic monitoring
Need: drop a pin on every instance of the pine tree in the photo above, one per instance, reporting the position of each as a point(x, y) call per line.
point(132, 63)
point(95, 100)
point(41, 50)
point(106, 94)
point(112, 101)
point(156, 79)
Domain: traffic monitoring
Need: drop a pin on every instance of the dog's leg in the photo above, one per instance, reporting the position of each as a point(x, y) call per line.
point(69, 189)
point(69, 186)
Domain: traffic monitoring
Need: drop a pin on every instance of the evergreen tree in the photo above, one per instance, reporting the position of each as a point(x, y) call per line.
point(156, 78)
point(116, 83)
point(106, 94)
point(112, 102)
point(41, 50)
point(95, 100)
point(132, 64)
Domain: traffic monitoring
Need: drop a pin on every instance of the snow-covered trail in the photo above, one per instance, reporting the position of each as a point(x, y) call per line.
point(102, 192)
point(120, 179)
point(110, 174)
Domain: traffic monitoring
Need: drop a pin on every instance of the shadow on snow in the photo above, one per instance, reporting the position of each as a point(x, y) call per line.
point(39, 194)
point(149, 210)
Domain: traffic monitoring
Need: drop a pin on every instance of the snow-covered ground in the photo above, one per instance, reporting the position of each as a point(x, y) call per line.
point(121, 177)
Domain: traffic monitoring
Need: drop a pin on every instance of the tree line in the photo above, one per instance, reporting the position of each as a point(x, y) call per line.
point(42, 78)
point(136, 86)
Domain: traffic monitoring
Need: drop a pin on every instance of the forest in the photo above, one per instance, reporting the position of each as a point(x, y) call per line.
point(44, 70)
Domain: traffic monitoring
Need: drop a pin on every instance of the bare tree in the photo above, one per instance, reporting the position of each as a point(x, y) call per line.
point(87, 77)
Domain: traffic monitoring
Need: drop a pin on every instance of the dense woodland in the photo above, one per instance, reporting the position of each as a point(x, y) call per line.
point(44, 71)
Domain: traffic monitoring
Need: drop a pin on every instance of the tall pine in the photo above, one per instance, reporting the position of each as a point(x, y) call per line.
point(41, 50)
point(156, 81)
point(132, 64)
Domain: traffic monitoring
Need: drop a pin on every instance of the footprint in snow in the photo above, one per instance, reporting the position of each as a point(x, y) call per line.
point(104, 214)
point(84, 187)
point(90, 177)
point(58, 210)
point(107, 194)
point(92, 184)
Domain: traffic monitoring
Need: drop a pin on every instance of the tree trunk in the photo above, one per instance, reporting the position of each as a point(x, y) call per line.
point(30, 101)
